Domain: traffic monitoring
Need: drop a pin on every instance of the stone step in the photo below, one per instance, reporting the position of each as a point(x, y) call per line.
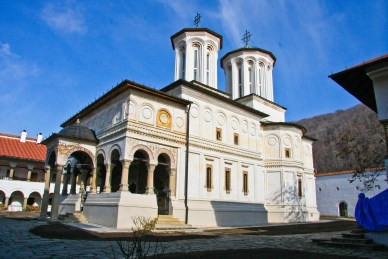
point(169, 221)
point(172, 226)
point(76, 217)
point(353, 235)
point(351, 240)
point(358, 230)
point(369, 247)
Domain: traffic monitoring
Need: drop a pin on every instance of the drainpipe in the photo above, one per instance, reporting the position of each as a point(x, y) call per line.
point(187, 160)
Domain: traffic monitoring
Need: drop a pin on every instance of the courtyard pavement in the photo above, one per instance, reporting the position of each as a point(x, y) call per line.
point(17, 242)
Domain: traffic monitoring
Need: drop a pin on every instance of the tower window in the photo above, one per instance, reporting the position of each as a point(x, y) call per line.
point(207, 68)
point(250, 79)
point(183, 65)
point(227, 180)
point(240, 87)
point(245, 182)
point(235, 139)
point(195, 63)
point(219, 134)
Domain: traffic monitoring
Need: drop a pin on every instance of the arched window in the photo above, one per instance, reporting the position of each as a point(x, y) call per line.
point(251, 76)
point(239, 78)
point(261, 78)
point(183, 61)
point(227, 180)
point(300, 192)
point(208, 68)
point(343, 209)
point(195, 60)
point(245, 182)
point(209, 178)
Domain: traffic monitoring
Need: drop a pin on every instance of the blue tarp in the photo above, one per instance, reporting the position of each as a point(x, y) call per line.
point(372, 214)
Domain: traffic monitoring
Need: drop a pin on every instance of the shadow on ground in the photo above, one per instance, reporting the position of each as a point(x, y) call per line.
point(262, 253)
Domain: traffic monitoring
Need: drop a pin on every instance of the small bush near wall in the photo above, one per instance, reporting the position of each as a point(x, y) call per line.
point(33, 208)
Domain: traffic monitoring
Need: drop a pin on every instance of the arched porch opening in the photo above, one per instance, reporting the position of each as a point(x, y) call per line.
point(137, 176)
point(37, 173)
point(343, 209)
point(5, 169)
point(34, 201)
point(21, 171)
point(161, 184)
point(2, 200)
point(78, 172)
point(16, 201)
point(101, 173)
point(116, 171)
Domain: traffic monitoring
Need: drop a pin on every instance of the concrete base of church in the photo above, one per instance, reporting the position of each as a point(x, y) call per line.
point(69, 204)
point(220, 213)
point(117, 209)
point(291, 213)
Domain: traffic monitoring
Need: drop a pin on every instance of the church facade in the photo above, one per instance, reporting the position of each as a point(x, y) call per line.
point(207, 157)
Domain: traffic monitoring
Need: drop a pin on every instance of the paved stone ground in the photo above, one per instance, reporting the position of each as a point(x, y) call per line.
point(17, 242)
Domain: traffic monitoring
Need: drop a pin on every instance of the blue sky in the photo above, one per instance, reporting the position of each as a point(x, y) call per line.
point(58, 56)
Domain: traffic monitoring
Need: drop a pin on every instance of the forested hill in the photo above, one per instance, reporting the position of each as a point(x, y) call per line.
point(362, 132)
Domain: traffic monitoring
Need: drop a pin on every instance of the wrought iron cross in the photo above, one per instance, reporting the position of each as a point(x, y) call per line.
point(197, 20)
point(246, 38)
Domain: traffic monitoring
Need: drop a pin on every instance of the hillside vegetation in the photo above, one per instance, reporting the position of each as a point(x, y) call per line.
point(363, 133)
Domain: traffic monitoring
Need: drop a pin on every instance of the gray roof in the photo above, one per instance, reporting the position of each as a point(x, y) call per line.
point(78, 131)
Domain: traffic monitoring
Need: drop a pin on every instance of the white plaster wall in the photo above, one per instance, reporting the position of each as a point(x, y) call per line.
point(329, 198)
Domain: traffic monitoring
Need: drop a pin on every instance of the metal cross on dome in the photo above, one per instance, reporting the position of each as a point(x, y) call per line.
point(197, 20)
point(246, 37)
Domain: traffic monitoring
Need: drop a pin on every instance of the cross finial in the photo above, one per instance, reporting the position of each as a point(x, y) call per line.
point(246, 37)
point(197, 19)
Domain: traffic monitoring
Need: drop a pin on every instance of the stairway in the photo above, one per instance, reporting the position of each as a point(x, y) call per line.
point(355, 239)
point(76, 217)
point(168, 222)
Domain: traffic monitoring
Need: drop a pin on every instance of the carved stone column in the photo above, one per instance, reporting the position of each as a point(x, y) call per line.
point(29, 175)
point(93, 179)
point(107, 186)
point(73, 183)
point(11, 172)
point(56, 200)
point(124, 175)
point(82, 180)
point(65, 184)
point(150, 179)
point(46, 192)
point(25, 203)
point(171, 182)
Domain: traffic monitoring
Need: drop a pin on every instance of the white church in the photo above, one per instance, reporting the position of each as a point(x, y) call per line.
point(188, 150)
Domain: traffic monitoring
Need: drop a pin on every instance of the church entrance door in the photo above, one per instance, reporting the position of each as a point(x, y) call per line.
point(161, 185)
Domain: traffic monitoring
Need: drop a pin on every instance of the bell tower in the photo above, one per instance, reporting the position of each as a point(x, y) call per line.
point(196, 54)
point(248, 70)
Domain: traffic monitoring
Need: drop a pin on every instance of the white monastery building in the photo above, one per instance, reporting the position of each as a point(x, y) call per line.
point(22, 174)
point(337, 196)
point(189, 150)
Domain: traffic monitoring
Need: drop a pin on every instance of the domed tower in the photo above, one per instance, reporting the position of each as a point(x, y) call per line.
point(196, 55)
point(249, 71)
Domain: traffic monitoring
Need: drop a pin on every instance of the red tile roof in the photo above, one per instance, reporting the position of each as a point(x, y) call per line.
point(10, 146)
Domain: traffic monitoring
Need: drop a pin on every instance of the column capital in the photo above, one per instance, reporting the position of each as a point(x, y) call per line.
point(151, 166)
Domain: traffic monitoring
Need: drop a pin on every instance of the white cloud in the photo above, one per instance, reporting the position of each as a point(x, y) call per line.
point(64, 19)
point(14, 74)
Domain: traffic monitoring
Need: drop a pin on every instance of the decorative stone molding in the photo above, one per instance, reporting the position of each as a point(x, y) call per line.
point(281, 163)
